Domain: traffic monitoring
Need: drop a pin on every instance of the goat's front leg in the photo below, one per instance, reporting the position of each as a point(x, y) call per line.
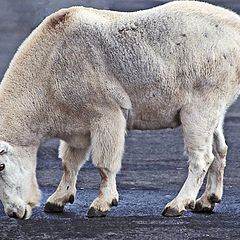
point(108, 136)
point(108, 195)
point(73, 158)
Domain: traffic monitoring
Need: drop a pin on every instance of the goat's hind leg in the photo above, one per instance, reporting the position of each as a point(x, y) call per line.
point(214, 188)
point(107, 149)
point(73, 158)
point(198, 127)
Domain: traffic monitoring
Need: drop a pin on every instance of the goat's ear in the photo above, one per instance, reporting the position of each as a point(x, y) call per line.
point(4, 148)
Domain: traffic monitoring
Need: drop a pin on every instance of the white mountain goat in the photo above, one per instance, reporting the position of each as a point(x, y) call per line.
point(85, 76)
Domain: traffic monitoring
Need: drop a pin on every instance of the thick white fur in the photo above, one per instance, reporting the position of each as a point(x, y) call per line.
point(84, 75)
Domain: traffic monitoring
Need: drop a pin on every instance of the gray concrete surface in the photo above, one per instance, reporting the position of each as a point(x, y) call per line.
point(153, 171)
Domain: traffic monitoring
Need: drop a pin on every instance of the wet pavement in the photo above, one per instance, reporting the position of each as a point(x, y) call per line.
point(153, 171)
point(154, 167)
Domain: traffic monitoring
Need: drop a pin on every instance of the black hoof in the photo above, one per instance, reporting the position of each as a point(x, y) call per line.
point(199, 208)
point(71, 199)
point(13, 215)
point(191, 205)
point(214, 198)
point(92, 212)
point(114, 202)
point(52, 207)
point(171, 212)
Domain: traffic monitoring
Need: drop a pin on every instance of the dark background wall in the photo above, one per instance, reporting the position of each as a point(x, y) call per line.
point(19, 17)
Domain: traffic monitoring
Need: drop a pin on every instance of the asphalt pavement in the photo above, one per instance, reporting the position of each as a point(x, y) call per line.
point(154, 167)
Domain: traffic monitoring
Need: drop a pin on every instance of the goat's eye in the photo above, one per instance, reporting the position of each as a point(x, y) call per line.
point(2, 166)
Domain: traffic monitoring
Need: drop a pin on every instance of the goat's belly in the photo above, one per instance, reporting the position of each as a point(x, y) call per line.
point(154, 120)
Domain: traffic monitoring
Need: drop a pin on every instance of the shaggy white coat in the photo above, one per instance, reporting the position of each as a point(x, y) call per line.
point(85, 75)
